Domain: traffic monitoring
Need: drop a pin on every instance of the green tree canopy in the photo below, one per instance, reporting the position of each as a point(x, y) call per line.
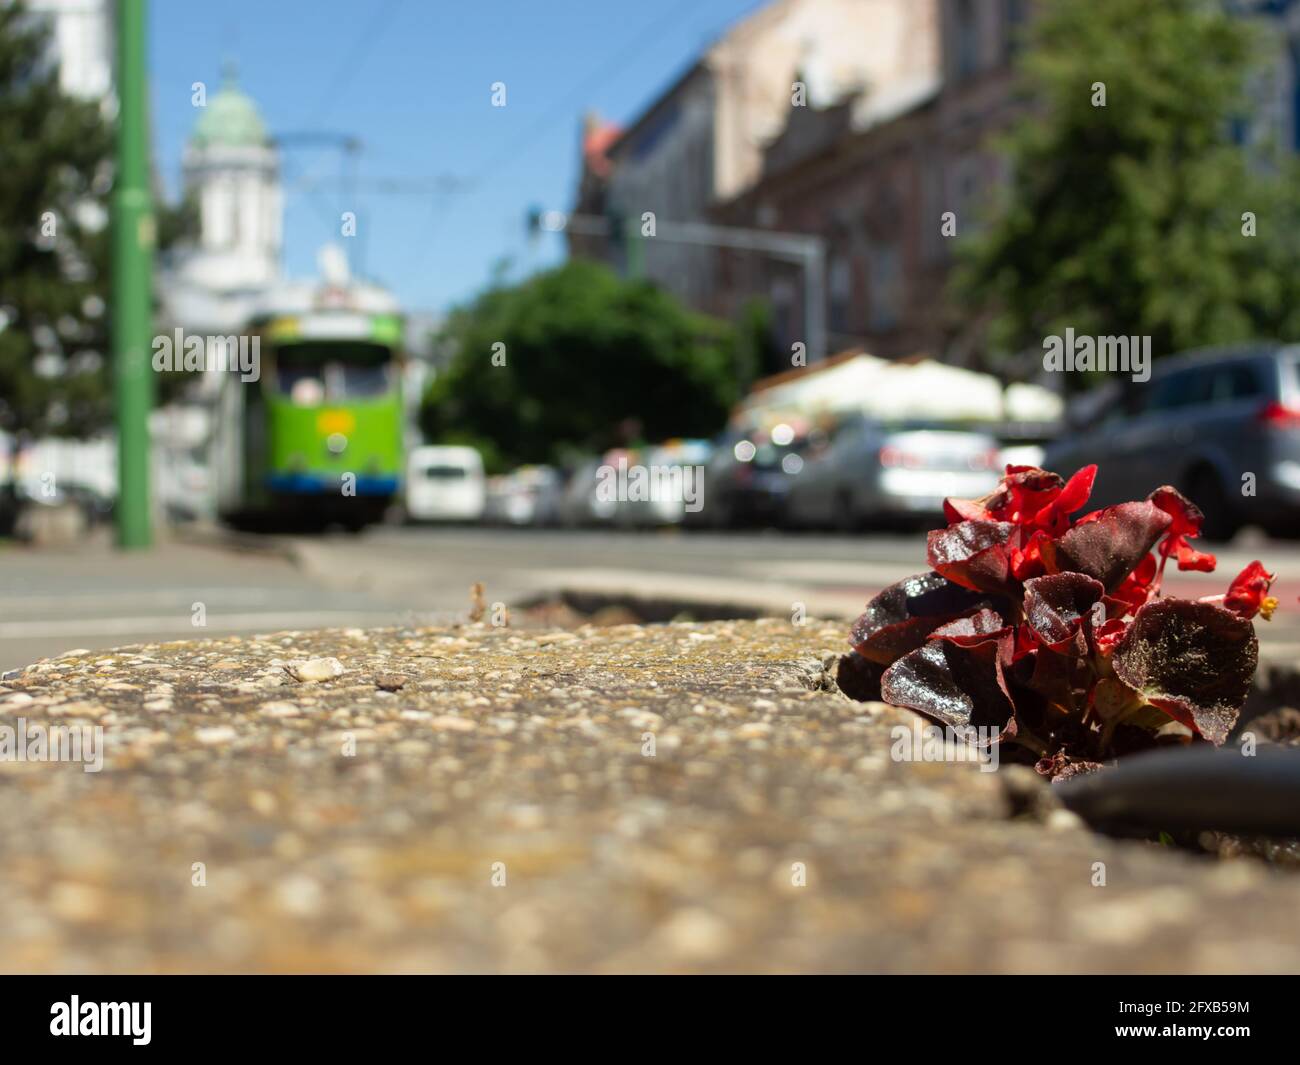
point(53, 241)
point(1127, 218)
point(590, 360)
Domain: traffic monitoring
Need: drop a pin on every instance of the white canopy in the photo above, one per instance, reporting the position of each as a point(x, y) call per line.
point(925, 389)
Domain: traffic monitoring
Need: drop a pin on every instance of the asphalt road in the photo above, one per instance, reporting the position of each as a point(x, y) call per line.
point(95, 597)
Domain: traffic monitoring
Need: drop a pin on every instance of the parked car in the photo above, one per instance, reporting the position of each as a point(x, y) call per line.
point(1214, 423)
point(445, 484)
point(528, 496)
point(19, 500)
point(870, 471)
point(581, 504)
point(676, 472)
point(1023, 443)
point(748, 479)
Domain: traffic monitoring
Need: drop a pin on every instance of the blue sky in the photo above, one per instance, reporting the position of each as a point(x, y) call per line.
point(412, 79)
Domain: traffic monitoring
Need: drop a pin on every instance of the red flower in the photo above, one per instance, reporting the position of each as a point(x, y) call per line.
point(1055, 629)
point(1054, 518)
point(1189, 558)
point(1187, 519)
point(1248, 592)
point(1136, 587)
point(1027, 562)
point(1109, 634)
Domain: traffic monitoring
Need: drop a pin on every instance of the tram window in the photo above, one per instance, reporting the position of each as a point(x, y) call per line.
point(316, 372)
point(355, 381)
point(302, 384)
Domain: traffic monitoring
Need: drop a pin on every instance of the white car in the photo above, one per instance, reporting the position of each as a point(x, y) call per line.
point(871, 471)
point(445, 484)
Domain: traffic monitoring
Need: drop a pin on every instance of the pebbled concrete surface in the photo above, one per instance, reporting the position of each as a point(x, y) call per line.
point(483, 799)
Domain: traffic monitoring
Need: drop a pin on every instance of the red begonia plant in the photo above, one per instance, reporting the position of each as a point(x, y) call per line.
point(1051, 631)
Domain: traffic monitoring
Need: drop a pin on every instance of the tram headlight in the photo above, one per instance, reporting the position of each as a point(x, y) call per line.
point(337, 443)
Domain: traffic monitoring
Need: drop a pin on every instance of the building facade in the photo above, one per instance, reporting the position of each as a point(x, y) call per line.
point(231, 173)
point(701, 143)
point(82, 42)
point(884, 179)
point(892, 153)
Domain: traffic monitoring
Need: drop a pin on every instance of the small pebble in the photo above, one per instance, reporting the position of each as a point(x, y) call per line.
point(315, 669)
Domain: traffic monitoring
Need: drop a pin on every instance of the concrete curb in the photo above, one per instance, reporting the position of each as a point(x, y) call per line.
point(668, 798)
point(212, 535)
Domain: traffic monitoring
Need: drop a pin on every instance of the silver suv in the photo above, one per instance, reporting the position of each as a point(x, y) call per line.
point(1222, 425)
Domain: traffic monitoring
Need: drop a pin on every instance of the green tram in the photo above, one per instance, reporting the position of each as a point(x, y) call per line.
point(318, 438)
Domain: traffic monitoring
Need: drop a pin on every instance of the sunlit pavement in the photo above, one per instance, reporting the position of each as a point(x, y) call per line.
point(51, 602)
point(54, 601)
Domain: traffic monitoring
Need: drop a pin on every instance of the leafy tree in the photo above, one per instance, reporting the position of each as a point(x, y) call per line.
point(759, 354)
point(53, 242)
point(1127, 219)
point(589, 361)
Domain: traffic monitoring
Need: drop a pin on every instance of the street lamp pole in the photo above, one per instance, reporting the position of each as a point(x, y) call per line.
point(132, 282)
point(808, 251)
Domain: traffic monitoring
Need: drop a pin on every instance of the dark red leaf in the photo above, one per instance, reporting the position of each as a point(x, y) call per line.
point(1052, 676)
point(1193, 660)
point(980, 627)
point(1055, 608)
point(955, 685)
point(858, 678)
point(900, 618)
point(1108, 544)
point(955, 510)
point(974, 554)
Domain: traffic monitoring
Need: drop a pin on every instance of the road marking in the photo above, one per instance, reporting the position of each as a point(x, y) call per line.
point(168, 623)
point(237, 596)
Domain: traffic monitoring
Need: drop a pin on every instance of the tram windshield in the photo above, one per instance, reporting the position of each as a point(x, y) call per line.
point(311, 373)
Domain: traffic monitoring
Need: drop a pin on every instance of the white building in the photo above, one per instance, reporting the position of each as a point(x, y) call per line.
point(82, 32)
point(231, 170)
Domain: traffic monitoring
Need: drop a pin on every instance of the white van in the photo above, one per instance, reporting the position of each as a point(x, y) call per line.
point(445, 484)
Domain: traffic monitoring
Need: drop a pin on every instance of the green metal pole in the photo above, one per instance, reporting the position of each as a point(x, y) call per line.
point(132, 310)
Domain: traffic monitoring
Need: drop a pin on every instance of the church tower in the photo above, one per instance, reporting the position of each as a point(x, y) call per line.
point(232, 171)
